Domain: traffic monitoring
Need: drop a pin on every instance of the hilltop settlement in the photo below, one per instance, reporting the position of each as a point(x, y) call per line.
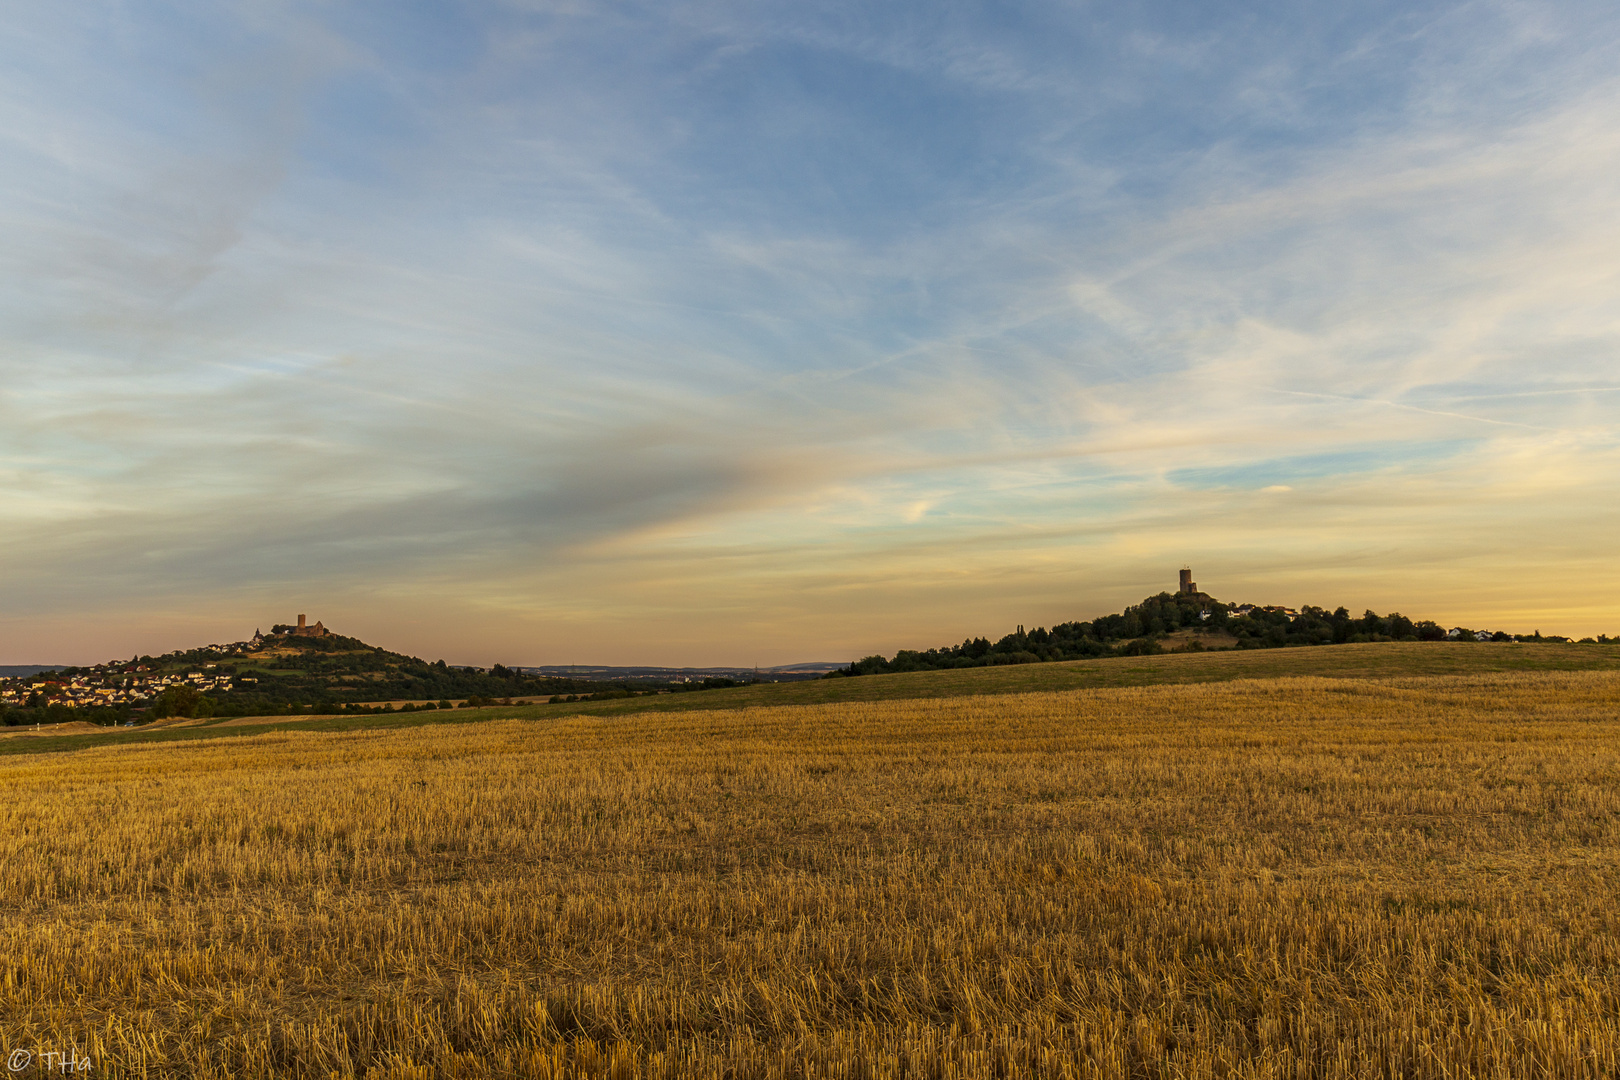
point(295, 668)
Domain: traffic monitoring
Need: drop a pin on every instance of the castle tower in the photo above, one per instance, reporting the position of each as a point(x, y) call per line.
point(1189, 587)
point(301, 618)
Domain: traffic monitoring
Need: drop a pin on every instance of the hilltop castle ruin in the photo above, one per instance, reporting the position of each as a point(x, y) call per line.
point(303, 629)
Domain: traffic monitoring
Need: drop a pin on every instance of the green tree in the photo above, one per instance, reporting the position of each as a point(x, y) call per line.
point(181, 699)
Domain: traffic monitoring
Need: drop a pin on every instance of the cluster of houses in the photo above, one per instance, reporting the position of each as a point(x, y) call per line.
point(1250, 609)
point(106, 684)
point(130, 682)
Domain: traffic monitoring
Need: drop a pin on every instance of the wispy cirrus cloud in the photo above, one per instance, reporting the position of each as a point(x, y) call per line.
point(674, 331)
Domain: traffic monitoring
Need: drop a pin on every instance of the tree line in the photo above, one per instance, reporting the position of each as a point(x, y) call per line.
point(1140, 630)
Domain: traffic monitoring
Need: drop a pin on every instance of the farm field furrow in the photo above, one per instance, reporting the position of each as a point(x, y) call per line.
point(1406, 876)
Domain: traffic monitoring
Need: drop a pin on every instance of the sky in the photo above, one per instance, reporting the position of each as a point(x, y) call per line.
point(756, 333)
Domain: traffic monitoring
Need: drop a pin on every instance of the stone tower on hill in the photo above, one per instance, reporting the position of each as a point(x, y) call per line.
point(304, 630)
point(1189, 587)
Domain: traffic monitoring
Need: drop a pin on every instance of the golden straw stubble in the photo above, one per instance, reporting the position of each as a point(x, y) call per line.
point(1269, 878)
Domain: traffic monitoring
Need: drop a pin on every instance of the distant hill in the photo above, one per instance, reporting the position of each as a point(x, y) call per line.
point(11, 671)
point(1182, 622)
point(594, 672)
point(285, 672)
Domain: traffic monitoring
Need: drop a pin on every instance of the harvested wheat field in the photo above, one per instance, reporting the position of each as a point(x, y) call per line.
point(1283, 878)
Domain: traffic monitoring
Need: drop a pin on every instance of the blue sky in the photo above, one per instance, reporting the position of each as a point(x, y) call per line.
point(758, 333)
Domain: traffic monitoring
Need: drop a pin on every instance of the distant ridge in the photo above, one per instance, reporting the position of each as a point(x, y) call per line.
point(1189, 620)
point(781, 672)
point(306, 668)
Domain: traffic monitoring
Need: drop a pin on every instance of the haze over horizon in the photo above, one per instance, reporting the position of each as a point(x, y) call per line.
point(712, 333)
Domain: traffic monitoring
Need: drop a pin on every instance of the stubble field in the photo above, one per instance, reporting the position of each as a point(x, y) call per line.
point(1296, 877)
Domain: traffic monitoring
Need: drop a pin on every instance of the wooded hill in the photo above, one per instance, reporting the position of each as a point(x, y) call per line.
point(1183, 622)
point(335, 670)
point(289, 674)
